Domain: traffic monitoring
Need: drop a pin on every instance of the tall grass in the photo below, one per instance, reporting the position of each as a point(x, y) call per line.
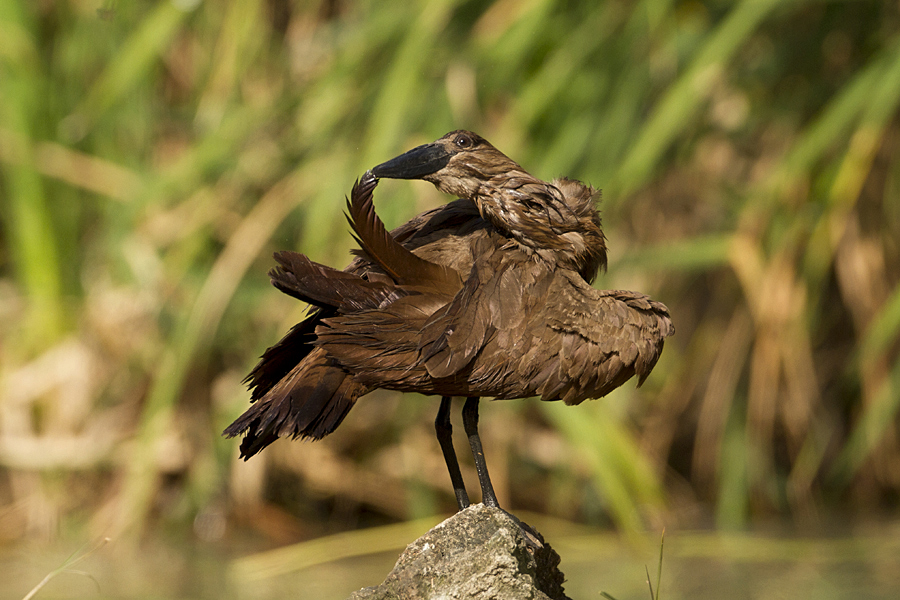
point(152, 155)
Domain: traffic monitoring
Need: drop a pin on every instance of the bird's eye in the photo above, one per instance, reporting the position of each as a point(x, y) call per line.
point(463, 141)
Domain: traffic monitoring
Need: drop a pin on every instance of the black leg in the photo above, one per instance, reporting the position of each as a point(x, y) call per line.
point(470, 423)
point(445, 438)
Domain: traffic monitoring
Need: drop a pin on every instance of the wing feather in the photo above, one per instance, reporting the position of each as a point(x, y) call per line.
point(399, 262)
point(324, 286)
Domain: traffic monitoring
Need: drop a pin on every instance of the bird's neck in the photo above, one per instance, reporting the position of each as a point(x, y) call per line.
point(535, 214)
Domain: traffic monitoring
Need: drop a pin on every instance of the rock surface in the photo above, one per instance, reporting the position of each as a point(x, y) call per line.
point(480, 552)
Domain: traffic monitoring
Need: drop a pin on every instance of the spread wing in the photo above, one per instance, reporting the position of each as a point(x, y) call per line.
point(503, 290)
point(527, 330)
point(513, 331)
point(596, 340)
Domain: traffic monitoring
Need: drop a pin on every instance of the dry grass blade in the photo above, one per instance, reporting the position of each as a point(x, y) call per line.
point(75, 168)
point(654, 593)
point(73, 559)
point(662, 541)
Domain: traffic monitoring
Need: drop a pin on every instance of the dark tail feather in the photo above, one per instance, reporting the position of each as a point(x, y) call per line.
point(309, 402)
point(278, 360)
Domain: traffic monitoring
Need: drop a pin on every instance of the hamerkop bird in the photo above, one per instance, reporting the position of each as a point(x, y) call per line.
point(487, 297)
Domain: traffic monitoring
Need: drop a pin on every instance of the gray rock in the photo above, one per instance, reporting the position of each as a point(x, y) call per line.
point(480, 552)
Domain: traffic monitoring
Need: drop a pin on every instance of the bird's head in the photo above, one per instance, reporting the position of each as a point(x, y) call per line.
point(560, 217)
point(459, 163)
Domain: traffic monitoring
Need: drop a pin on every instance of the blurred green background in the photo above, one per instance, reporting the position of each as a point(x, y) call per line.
point(153, 155)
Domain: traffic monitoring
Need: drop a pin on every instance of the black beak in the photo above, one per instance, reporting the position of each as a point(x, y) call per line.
point(415, 164)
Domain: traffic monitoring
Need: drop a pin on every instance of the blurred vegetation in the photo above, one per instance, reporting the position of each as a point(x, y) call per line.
point(154, 154)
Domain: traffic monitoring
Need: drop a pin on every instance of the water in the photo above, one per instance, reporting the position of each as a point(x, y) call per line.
point(695, 565)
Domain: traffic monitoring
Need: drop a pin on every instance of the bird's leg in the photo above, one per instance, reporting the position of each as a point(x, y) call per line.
point(470, 423)
point(445, 438)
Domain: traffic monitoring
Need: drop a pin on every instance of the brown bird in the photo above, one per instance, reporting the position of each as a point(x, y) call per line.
point(514, 316)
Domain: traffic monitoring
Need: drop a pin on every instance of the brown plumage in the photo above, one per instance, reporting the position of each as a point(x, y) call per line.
point(496, 301)
point(525, 322)
point(297, 390)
